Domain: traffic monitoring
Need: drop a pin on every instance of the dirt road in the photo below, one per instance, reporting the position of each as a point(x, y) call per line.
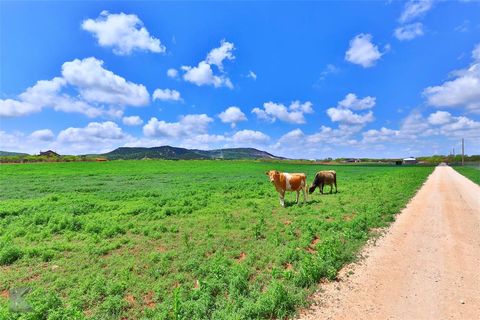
point(427, 266)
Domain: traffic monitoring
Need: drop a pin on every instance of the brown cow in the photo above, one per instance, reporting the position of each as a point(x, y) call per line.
point(322, 178)
point(288, 182)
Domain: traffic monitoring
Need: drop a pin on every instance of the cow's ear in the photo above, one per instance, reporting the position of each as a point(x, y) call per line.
point(266, 172)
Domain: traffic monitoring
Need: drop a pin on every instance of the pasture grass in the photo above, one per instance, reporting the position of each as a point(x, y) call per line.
point(472, 173)
point(182, 239)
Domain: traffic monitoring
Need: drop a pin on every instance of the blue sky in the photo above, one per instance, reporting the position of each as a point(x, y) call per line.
point(298, 79)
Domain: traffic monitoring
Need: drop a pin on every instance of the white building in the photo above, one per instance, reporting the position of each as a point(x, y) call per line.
point(410, 160)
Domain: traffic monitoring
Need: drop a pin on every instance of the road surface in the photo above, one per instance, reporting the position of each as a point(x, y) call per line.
point(426, 266)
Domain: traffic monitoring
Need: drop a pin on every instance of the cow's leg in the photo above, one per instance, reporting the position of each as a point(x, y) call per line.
point(331, 187)
point(282, 199)
point(298, 194)
point(321, 188)
point(304, 195)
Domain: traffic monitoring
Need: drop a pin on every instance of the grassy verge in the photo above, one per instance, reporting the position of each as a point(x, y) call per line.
point(472, 173)
point(181, 239)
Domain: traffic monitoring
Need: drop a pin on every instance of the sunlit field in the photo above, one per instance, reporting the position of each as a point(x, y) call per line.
point(182, 239)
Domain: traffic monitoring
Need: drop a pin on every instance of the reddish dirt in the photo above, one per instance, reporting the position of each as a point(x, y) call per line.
point(426, 266)
point(5, 294)
point(148, 300)
point(130, 299)
point(241, 257)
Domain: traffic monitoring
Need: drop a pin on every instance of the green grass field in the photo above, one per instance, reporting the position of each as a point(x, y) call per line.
point(472, 173)
point(182, 239)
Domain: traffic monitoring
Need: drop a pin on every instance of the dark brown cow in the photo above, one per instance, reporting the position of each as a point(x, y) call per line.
point(322, 178)
point(288, 182)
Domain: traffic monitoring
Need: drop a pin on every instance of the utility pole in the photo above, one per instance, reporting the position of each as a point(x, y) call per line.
point(463, 150)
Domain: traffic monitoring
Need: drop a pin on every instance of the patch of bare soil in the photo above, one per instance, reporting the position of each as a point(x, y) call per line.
point(426, 266)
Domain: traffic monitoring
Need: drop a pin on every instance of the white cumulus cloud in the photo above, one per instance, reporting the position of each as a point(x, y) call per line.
point(166, 95)
point(293, 114)
point(124, 33)
point(132, 121)
point(346, 116)
point(189, 125)
point(462, 91)
point(94, 132)
point(232, 115)
point(203, 74)
point(439, 117)
point(97, 84)
point(250, 137)
point(362, 51)
point(43, 135)
point(217, 55)
point(352, 102)
point(343, 113)
point(172, 73)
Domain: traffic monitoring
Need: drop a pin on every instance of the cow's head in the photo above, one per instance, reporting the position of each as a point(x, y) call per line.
point(314, 185)
point(272, 174)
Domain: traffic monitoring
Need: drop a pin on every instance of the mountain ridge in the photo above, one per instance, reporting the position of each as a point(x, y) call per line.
point(176, 153)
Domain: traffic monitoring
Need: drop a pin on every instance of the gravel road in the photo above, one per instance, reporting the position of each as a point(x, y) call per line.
point(425, 266)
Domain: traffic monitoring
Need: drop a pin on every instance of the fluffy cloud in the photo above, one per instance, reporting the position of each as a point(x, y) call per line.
point(188, 125)
point(166, 95)
point(172, 73)
point(362, 51)
point(14, 108)
point(124, 33)
point(384, 134)
point(232, 115)
point(462, 91)
point(250, 137)
point(348, 117)
point(409, 32)
point(293, 114)
point(132, 121)
point(100, 92)
point(43, 135)
point(203, 73)
point(96, 84)
point(414, 9)
point(343, 113)
point(217, 55)
point(291, 137)
point(94, 132)
point(439, 117)
point(46, 93)
point(352, 102)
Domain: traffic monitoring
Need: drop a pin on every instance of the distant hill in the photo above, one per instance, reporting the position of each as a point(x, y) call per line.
point(9, 154)
point(173, 153)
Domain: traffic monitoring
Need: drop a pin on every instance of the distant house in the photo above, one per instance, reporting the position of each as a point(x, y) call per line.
point(49, 153)
point(100, 159)
point(410, 160)
point(352, 160)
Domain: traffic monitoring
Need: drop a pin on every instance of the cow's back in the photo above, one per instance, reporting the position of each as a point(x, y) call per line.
point(327, 177)
point(294, 181)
